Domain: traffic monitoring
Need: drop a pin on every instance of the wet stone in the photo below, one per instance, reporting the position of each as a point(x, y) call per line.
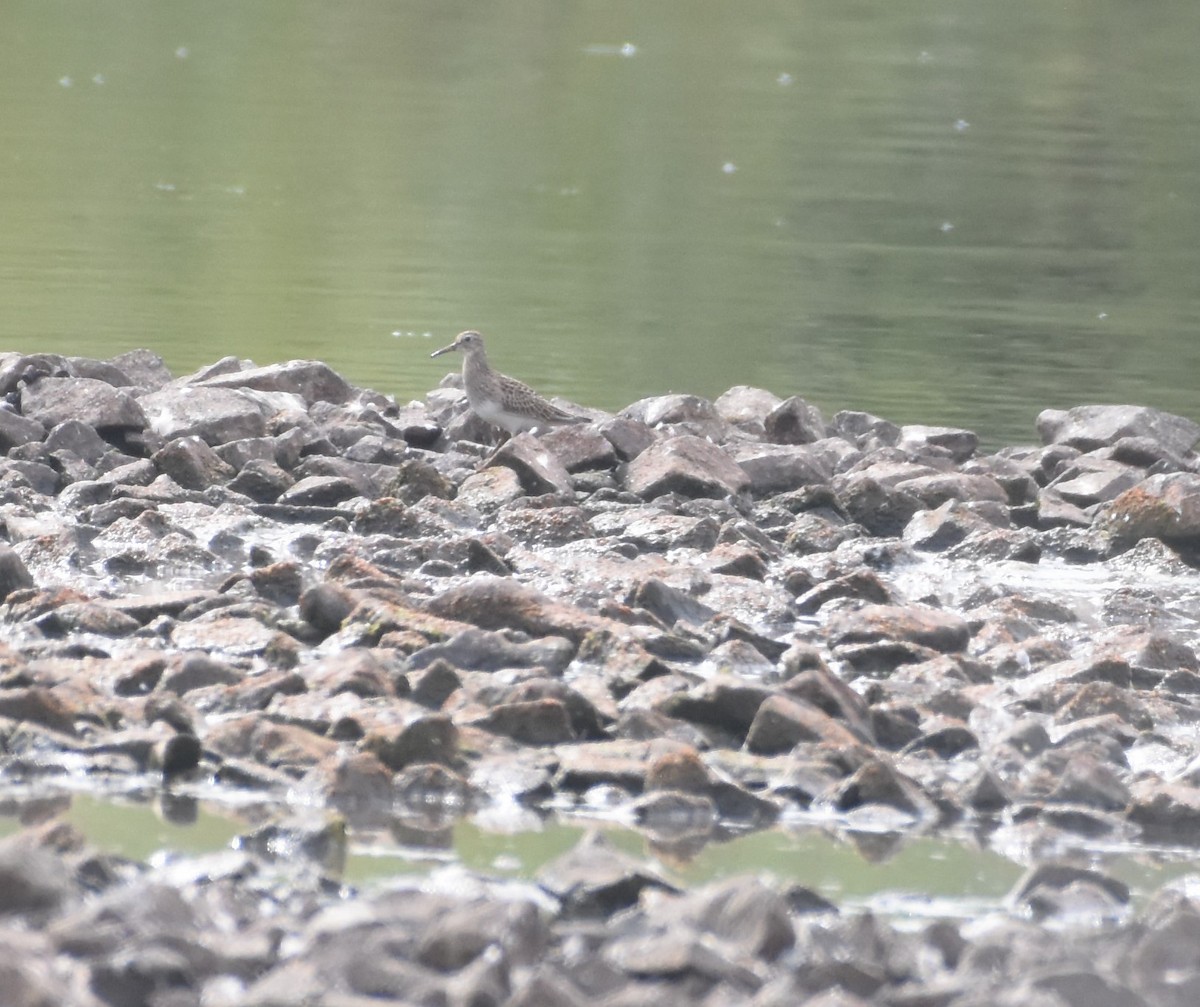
point(312, 380)
point(198, 671)
point(881, 509)
point(780, 469)
point(684, 464)
point(862, 584)
point(16, 430)
point(780, 723)
point(52, 400)
point(594, 880)
point(865, 429)
point(959, 443)
point(1090, 427)
point(915, 624)
point(319, 491)
point(538, 470)
point(215, 414)
point(192, 463)
point(261, 480)
point(482, 650)
point(746, 408)
point(534, 722)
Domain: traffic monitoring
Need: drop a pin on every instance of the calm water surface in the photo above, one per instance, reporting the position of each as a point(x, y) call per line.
point(955, 212)
point(908, 877)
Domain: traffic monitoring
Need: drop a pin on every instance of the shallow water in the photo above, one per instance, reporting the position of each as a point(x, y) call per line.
point(899, 876)
point(961, 213)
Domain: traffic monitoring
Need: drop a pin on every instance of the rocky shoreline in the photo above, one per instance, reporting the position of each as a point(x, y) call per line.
point(699, 618)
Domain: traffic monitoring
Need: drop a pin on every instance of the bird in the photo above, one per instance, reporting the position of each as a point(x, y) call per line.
point(499, 399)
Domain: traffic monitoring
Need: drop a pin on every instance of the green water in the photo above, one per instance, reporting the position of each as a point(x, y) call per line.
point(956, 211)
point(893, 874)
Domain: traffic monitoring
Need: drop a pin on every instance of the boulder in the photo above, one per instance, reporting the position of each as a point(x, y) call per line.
point(794, 421)
point(919, 624)
point(1089, 427)
point(216, 415)
point(51, 401)
point(312, 380)
point(685, 464)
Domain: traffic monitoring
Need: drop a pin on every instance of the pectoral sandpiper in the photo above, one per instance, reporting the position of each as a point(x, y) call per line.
point(499, 399)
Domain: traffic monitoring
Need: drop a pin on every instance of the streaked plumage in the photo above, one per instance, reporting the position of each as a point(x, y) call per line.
point(499, 399)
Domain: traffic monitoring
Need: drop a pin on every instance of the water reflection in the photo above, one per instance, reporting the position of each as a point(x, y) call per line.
point(947, 215)
point(888, 872)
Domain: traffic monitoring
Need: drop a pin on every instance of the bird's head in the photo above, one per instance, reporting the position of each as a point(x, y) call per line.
point(467, 342)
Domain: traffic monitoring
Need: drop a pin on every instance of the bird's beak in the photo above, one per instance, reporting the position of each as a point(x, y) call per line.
point(445, 349)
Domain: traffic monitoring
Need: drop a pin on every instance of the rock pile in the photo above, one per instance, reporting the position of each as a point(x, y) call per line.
point(706, 616)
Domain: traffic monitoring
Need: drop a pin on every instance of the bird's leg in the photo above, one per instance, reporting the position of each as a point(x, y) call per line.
point(505, 437)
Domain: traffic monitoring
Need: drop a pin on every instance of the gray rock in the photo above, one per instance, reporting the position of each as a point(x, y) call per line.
point(1089, 481)
point(949, 524)
point(935, 490)
point(32, 880)
point(437, 683)
point(500, 603)
point(319, 491)
point(38, 477)
point(533, 722)
point(660, 532)
point(878, 507)
point(420, 738)
point(142, 369)
point(1165, 507)
point(481, 650)
point(580, 447)
point(197, 671)
point(864, 429)
point(1059, 876)
point(491, 488)
point(416, 479)
point(51, 401)
point(312, 380)
point(1014, 474)
point(1166, 812)
point(794, 421)
point(192, 463)
point(669, 604)
point(16, 430)
point(262, 481)
point(79, 439)
point(326, 606)
point(781, 723)
point(684, 464)
point(544, 526)
point(746, 408)
point(680, 413)
point(217, 415)
point(960, 444)
point(879, 782)
point(779, 469)
point(815, 684)
point(629, 438)
point(239, 453)
point(537, 468)
point(994, 544)
point(816, 533)
point(14, 575)
point(919, 624)
point(1091, 427)
point(1164, 962)
point(725, 701)
point(862, 584)
point(594, 880)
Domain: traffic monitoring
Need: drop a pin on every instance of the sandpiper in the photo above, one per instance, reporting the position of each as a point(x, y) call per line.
point(499, 399)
